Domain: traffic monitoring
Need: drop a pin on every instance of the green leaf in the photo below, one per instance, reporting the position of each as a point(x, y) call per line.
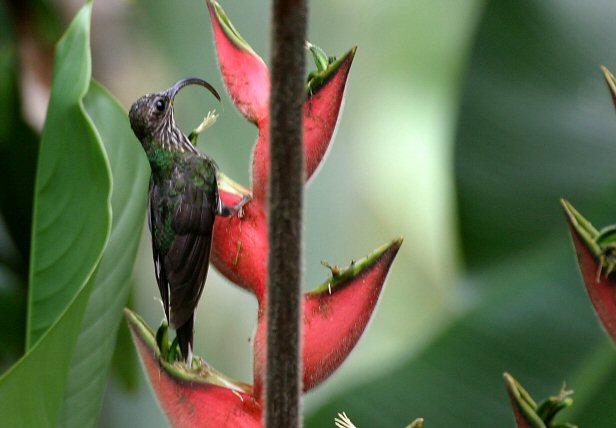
point(71, 225)
point(72, 190)
point(31, 391)
point(130, 171)
point(124, 363)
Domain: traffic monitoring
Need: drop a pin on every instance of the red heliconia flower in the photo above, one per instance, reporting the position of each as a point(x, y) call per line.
point(240, 246)
point(335, 314)
point(596, 253)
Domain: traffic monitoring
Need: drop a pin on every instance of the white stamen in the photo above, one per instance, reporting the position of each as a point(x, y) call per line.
point(208, 121)
point(343, 421)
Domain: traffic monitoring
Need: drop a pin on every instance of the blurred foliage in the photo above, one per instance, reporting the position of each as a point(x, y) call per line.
point(520, 325)
point(536, 123)
point(464, 123)
point(18, 148)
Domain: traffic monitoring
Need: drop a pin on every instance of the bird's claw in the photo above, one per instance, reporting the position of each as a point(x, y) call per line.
point(240, 206)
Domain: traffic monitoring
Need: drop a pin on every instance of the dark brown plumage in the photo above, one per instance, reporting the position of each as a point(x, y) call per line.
point(183, 203)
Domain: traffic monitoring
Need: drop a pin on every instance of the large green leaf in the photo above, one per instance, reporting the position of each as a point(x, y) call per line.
point(31, 391)
point(130, 172)
point(71, 225)
point(72, 190)
point(536, 122)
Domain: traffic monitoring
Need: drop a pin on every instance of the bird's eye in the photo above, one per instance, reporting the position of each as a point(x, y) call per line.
point(160, 105)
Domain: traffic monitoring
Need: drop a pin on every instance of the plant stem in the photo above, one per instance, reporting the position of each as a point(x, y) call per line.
point(283, 385)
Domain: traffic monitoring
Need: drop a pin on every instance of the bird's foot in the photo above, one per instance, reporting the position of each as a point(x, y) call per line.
point(225, 210)
point(226, 184)
point(240, 205)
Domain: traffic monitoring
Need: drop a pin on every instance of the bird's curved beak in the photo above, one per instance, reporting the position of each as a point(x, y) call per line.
point(172, 91)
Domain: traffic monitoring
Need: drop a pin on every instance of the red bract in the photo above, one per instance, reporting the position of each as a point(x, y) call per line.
point(248, 84)
point(244, 72)
point(193, 398)
point(335, 314)
point(239, 248)
point(599, 282)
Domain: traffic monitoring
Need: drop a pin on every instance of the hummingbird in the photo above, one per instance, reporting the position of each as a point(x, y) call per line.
point(183, 202)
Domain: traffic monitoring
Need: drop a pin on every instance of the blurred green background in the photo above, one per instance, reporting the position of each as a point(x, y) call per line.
point(464, 123)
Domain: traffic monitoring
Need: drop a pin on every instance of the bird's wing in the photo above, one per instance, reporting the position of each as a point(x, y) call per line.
point(186, 218)
point(155, 220)
point(187, 261)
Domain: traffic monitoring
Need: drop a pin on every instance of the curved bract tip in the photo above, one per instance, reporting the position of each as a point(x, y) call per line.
point(597, 264)
point(243, 71)
point(528, 413)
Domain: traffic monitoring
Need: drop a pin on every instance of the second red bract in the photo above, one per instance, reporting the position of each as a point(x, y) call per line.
point(335, 313)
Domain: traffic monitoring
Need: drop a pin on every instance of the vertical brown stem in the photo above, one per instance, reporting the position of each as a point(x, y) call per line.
point(283, 385)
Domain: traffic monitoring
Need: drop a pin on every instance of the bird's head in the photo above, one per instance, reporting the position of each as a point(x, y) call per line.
point(151, 115)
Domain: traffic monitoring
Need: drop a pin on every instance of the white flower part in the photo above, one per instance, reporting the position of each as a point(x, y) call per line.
point(343, 421)
point(208, 121)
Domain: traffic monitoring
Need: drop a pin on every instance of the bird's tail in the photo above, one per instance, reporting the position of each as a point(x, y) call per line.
point(185, 339)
